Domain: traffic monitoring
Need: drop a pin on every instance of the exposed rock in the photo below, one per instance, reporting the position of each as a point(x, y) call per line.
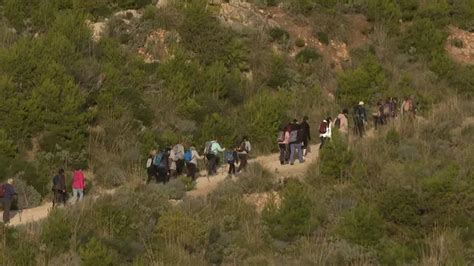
point(463, 52)
point(155, 47)
point(162, 3)
point(238, 14)
point(97, 29)
point(128, 14)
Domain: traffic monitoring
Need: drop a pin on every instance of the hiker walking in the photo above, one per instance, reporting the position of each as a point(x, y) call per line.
point(211, 150)
point(179, 158)
point(378, 115)
point(78, 185)
point(408, 108)
point(296, 142)
point(360, 119)
point(190, 157)
point(150, 167)
point(162, 165)
point(59, 188)
point(306, 131)
point(243, 152)
point(387, 110)
point(8, 192)
point(231, 157)
point(393, 107)
point(341, 122)
point(283, 144)
point(325, 132)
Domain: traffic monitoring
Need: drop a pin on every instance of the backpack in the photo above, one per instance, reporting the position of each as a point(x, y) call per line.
point(229, 156)
point(323, 128)
point(293, 136)
point(208, 148)
point(188, 156)
point(281, 136)
point(3, 190)
point(337, 123)
point(157, 160)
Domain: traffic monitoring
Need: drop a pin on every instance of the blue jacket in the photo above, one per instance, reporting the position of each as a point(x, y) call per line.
point(9, 191)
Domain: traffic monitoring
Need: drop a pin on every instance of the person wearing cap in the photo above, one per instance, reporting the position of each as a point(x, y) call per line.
point(360, 119)
point(9, 193)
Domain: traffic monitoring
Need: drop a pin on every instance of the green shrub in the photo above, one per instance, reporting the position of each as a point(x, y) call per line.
point(457, 43)
point(322, 37)
point(394, 253)
point(278, 34)
point(176, 226)
point(271, 2)
point(28, 197)
point(335, 158)
point(174, 189)
point(362, 83)
point(279, 75)
point(392, 137)
point(400, 206)
point(96, 253)
point(293, 217)
point(57, 231)
point(261, 116)
point(301, 6)
point(363, 226)
point(300, 42)
point(256, 179)
point(188, 182)
point(423, 38)
point(307, 55)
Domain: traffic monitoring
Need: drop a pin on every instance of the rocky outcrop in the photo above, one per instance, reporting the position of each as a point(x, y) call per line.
point(238, 15)
point(460, 45)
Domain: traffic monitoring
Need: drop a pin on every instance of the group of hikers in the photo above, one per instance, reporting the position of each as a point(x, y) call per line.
point(293, 141)
point(382, 113)
point(174, 161)
point(59, 189)
point(293, 138)
point(78, 185)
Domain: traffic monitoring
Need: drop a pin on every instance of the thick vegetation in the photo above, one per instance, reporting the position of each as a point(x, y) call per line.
point(404, 196)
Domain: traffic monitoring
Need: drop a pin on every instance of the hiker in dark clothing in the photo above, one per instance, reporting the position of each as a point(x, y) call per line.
point(243, 153)
point(212, 150)
point(378, 115)
point(360, 119)
point(9, 193)
point(163, 167)
point(150, 168)
point(231, 158)
point(59, 188)
point(296, 141)
point(306, 132)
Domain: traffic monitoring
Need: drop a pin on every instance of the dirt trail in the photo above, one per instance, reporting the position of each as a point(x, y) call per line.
point(203, 187)
point(271, 162)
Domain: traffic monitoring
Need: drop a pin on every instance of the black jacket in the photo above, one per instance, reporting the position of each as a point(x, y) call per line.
point(305, 130)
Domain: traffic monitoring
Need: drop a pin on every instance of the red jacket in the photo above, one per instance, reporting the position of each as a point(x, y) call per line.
point(78, 180)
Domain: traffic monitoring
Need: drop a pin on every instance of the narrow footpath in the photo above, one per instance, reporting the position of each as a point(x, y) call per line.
point(204, 185)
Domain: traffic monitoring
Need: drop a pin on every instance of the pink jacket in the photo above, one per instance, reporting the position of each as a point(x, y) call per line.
point(78, 180)
point(287, 137)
